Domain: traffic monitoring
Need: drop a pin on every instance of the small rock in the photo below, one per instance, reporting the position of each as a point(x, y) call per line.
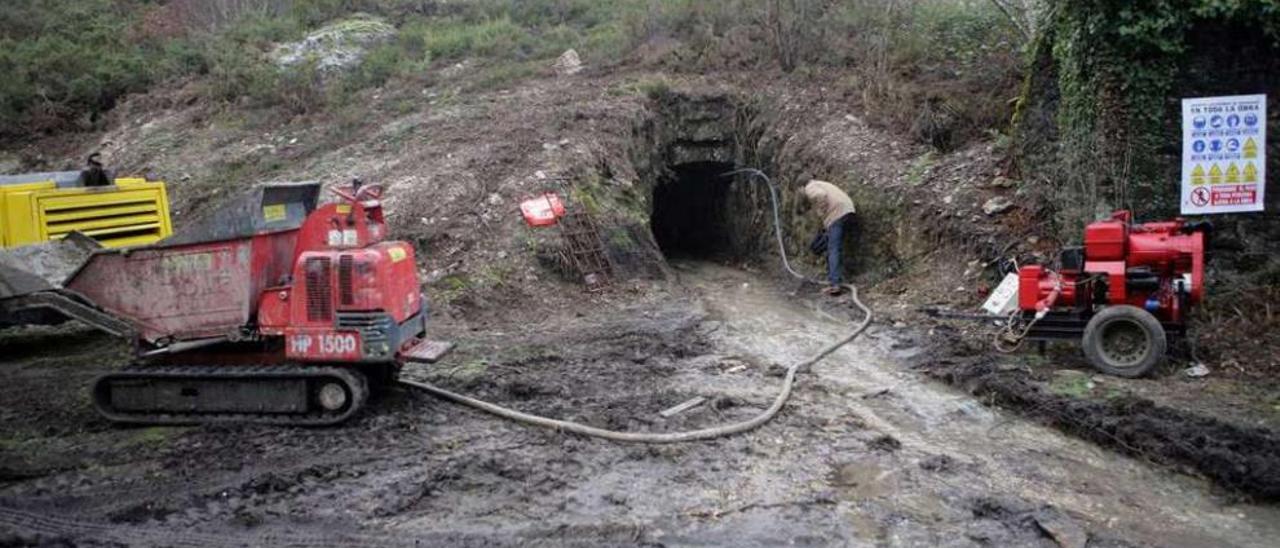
point(973, 267)
point(938, 463)
point(1033, 240)
point(997, 205)
point(568, 63)
point(1064, 530)
point(899, 325)
point(454, 70)
point(1196, 371)
point(337, 46)
point(1003, 182)
point(885, 443)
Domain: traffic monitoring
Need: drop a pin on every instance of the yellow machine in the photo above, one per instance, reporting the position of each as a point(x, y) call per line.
point(39, 207)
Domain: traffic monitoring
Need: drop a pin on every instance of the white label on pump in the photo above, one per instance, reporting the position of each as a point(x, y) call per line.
point(1005, 298)
point(349, 237)
point(335, 238)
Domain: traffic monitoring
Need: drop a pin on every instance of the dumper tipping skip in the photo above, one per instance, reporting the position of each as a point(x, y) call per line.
point(270, 309)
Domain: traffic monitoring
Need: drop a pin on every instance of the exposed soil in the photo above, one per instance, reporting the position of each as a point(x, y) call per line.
point(867, 453)
point(1242, 459)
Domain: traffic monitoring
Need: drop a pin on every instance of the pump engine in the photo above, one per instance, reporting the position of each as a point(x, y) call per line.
point(1123, 294)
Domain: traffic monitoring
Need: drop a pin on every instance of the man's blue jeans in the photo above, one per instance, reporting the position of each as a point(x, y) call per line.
point(835, 251)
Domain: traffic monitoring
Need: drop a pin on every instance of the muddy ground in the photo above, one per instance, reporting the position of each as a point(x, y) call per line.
point(909, 437)
point(868, 453)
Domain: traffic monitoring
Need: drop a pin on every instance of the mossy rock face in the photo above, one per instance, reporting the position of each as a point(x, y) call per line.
point(1100, 114)
point(336, 47)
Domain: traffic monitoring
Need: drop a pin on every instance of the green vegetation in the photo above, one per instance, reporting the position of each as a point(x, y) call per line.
point(1101, 102)
point(926, 64)
point(1071, 383)
point(153, 435)
point(71, 61)
point(920, 168)
point(67, 62)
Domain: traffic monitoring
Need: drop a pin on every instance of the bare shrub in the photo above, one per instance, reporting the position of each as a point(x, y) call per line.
point(795, 29)
point(213, 15)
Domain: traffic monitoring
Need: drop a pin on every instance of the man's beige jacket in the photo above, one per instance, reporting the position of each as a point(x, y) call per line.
point(828, 200)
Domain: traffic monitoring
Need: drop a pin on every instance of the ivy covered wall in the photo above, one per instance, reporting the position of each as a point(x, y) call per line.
point(1098, 125)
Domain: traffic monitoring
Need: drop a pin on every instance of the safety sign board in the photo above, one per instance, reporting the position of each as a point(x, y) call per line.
point(1224, 154)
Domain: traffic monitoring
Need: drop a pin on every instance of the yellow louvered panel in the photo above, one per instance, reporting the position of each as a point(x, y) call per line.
point(18, 215)
point(116, 217)
point(105, 225)
point(132, 212)
point(108, 211)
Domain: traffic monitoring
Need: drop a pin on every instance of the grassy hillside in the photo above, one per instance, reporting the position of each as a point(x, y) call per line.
point(944, 69)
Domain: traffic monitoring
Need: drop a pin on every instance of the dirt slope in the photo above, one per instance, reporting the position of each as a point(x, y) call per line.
point(869, 454)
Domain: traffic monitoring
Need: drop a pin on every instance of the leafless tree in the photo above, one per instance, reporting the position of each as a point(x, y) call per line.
point(1024, 15)
point(208, 15)
point(795, 28)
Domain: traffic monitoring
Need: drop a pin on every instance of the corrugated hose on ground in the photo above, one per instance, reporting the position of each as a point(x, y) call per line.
point(784, 393)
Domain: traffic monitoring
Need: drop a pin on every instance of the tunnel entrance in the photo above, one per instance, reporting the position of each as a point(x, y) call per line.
point(691, 215)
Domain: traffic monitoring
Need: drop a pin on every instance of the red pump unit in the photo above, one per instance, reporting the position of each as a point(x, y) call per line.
point(1124, 292)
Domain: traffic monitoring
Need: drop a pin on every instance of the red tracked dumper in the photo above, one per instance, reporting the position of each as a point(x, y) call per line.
point(271, 310)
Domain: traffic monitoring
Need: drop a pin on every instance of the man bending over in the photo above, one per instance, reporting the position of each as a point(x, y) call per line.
point(836, 209)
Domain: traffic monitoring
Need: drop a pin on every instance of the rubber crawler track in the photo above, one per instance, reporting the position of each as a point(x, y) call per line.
point(354, 380)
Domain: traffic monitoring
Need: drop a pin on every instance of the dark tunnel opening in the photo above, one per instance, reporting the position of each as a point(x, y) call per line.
point(691, 211)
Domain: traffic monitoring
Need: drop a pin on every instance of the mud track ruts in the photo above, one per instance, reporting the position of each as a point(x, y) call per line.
point(23, 528)
point(1244, 460)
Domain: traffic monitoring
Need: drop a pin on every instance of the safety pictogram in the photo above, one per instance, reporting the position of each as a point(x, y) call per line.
point(1224, 154)
point(1200, 197)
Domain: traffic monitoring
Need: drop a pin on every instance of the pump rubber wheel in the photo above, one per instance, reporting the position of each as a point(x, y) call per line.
point(1125, 341)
